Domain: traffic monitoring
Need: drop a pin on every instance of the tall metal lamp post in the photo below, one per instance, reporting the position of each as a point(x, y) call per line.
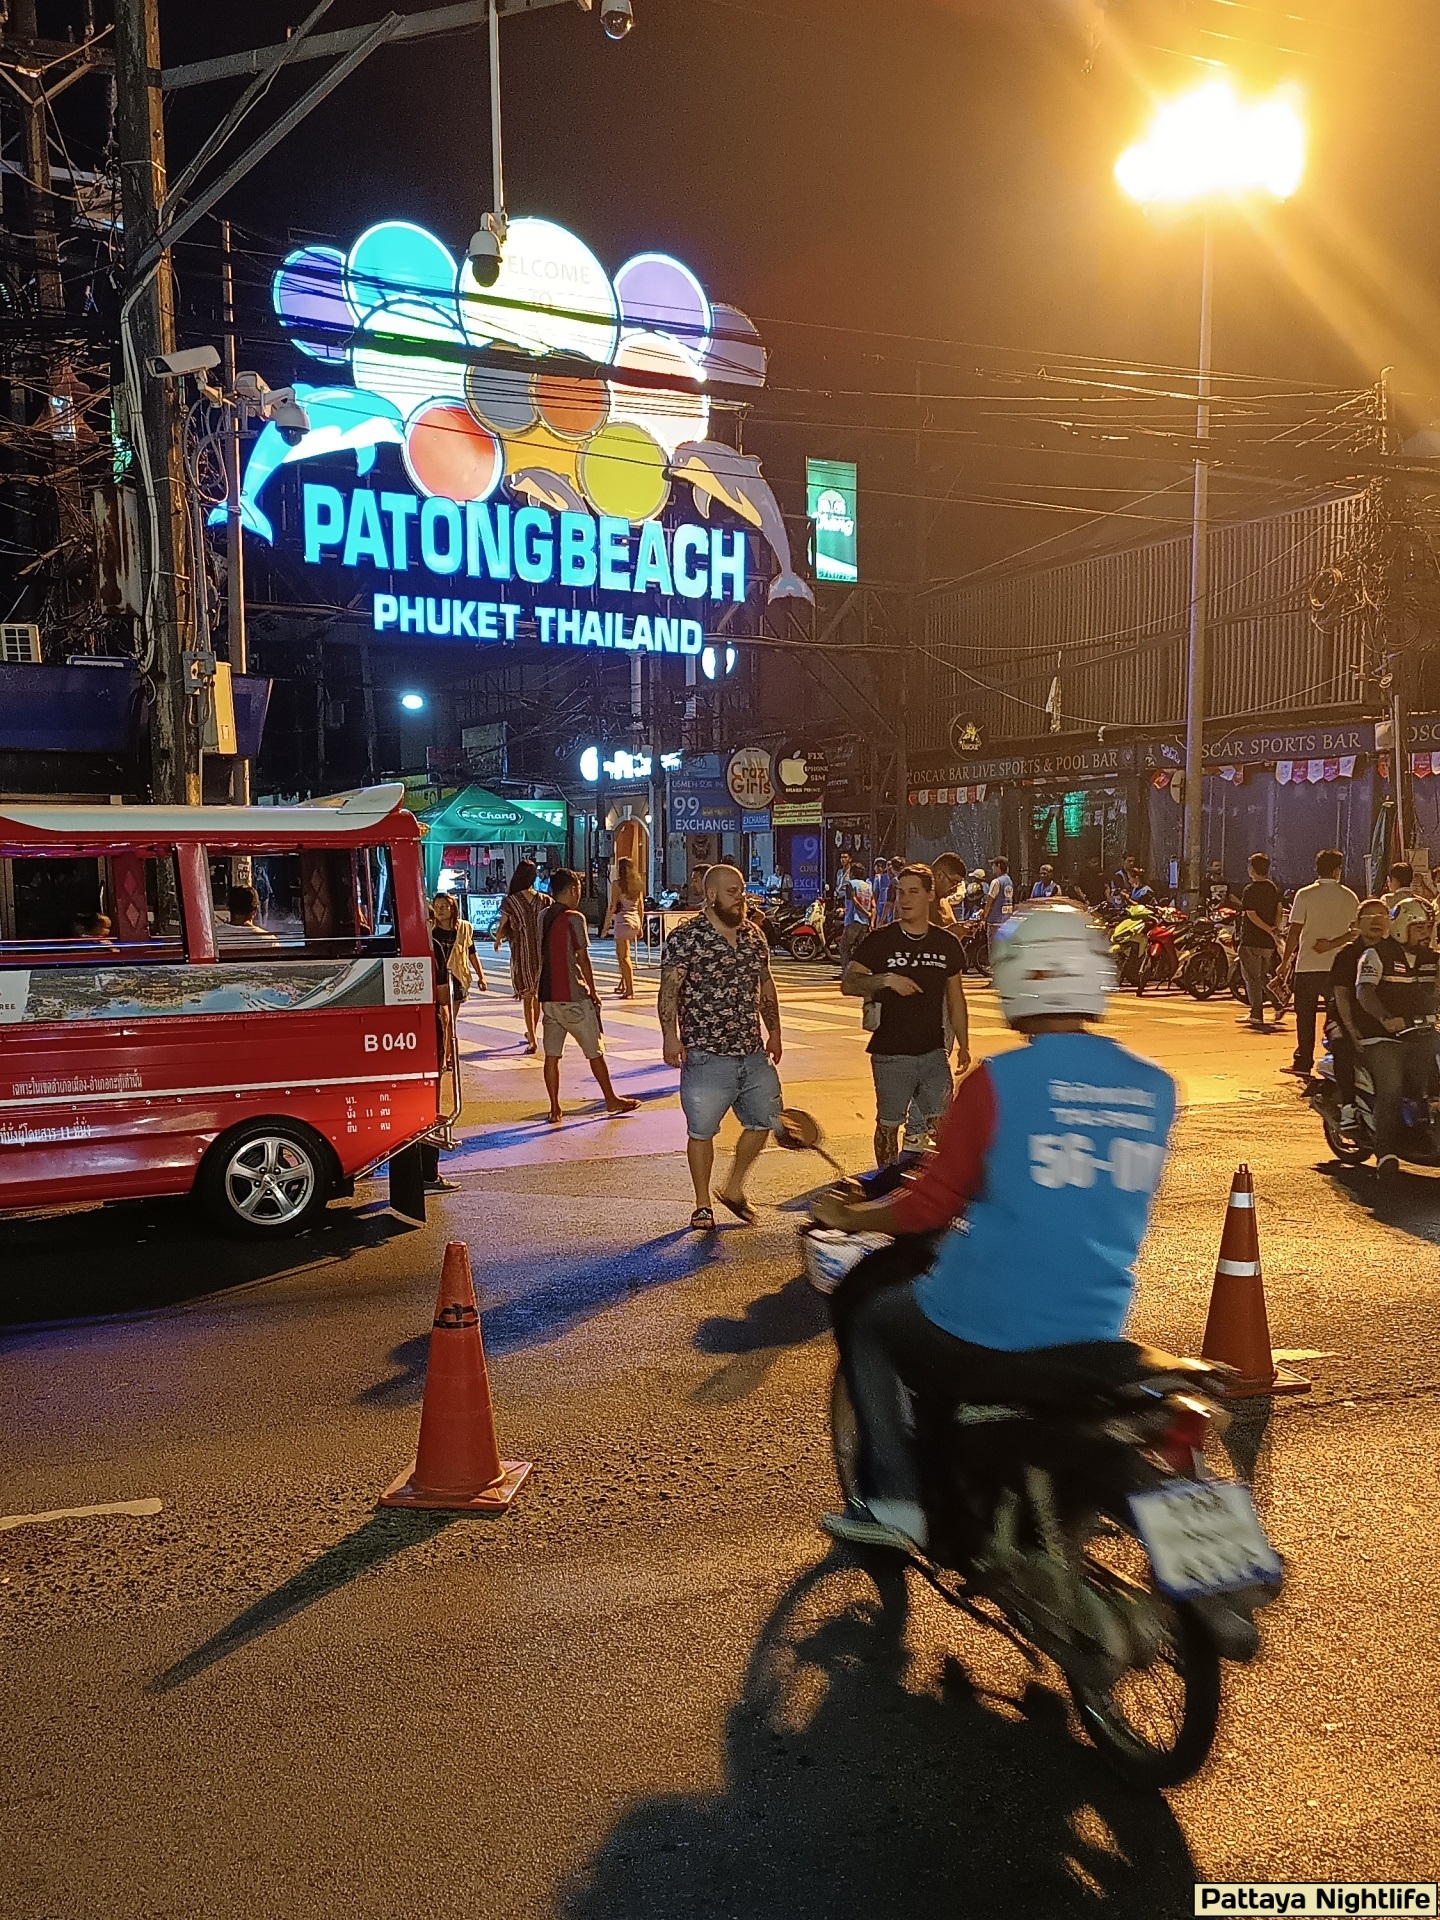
point(1204, 150)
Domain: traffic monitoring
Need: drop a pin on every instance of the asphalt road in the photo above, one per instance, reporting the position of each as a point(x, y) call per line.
point(649, 1689)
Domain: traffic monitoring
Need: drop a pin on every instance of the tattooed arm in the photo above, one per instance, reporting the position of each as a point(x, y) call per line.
point(672, 979)
point(770, 1014)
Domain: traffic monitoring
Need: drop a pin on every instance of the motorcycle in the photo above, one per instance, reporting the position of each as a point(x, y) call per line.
point(1161, 962)
point(1205, 967)
point(1130, 944)
point(780, 922)
point(1353, 1146)
point(816, 934)
point(1085, 1527)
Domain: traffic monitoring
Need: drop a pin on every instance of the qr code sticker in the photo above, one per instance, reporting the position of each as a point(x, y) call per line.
point(408, 983)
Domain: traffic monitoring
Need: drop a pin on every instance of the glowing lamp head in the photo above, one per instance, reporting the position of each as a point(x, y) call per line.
point(590, 766)
point(413, 702)
point(1209, 144)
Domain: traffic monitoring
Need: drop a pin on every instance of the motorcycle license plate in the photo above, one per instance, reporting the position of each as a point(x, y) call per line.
point(1204, 1536)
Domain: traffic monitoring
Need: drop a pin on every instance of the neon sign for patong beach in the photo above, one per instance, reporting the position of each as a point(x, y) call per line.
point(532, 475)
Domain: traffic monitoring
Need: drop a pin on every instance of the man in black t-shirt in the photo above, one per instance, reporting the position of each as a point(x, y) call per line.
point(910, 972)
point(1347, 1026)
point(1259, 941)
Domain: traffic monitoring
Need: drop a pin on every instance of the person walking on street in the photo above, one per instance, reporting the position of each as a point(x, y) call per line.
point(1322, 920)
point(568, 996)
point(1047, 887)
point(715, 991)
point(457, 969)
point(911, 973)
point(1395, 986)
point(1259, 938)
point(625, 916)
point(999, 895)
point(885, 871)
point(520, 915)
point(859, 911)
point(1401, 878)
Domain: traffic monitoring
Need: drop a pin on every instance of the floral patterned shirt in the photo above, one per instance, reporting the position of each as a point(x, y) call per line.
point(720, 992)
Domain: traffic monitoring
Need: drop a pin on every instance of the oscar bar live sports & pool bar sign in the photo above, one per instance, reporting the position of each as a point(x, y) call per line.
point(549, 471)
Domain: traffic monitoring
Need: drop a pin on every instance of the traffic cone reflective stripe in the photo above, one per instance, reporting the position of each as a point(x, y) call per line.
point(457, 1463)
point(1237, 1329)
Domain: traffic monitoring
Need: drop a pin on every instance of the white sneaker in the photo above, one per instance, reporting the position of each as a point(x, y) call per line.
point(1347, 1119)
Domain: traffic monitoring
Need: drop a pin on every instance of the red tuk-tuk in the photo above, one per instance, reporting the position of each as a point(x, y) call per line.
point(232, 1001)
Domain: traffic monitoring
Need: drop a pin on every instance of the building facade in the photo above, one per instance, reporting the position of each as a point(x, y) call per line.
point(1050, 719)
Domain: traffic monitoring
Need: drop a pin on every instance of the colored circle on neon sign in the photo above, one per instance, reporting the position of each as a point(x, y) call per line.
point(668, 413)
point(623, 472)
point(659, 294)
point(449, 454)
point(552, 296)
point(397, 260)
point(572, 406)
point(308, 290)
point(398, 372)
point(500, 398)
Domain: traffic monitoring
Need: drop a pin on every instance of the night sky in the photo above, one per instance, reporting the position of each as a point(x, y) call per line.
point(918, 181)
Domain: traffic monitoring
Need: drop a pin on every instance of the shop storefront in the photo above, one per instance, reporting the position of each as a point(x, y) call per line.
point(1289, 791)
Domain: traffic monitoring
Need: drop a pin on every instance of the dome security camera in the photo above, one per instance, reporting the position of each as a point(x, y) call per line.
point(289, 416)
point(617, 17)
point(487, 250)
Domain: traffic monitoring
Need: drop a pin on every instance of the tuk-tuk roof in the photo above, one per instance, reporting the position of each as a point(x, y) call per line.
point(358, 816)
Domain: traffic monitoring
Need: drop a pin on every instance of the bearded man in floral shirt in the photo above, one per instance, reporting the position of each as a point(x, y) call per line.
point(715, 990)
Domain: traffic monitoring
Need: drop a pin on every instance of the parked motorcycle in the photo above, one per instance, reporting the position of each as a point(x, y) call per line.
point(1160, 965)
point(1085, 1526)
point(1353, 1146)
point(1130, 943)
point(816, 935)
point(1205, 963)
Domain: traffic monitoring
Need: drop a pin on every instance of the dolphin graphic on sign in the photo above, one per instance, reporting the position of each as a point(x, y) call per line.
point(545, 489)
point(717, 472)
point(342, 420)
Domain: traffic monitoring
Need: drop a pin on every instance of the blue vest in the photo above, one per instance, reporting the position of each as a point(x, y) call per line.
point(1046, 1250)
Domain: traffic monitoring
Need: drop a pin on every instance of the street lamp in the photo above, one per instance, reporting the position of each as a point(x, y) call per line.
point(413, 702)
point(1204, 149)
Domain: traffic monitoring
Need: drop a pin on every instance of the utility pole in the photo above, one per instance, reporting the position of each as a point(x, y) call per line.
point(1199, 602)
point(1396, 653)
point(154, 405)
point(234, 544)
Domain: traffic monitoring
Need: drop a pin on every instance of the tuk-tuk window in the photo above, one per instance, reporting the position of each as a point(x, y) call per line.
point(89, 909)
point(314, 903)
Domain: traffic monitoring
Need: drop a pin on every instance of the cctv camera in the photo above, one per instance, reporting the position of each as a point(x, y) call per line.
point(487, 249)
point(616, 17)
point(289, 416)
point(174, 366)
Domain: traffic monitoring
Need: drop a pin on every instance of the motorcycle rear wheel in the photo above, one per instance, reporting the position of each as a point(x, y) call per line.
point(806, 944)
point(1155, 1725)
point(1204, 975)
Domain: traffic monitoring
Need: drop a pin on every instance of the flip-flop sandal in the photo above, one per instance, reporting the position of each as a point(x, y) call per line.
point(702, 1220)
point(741, 1209)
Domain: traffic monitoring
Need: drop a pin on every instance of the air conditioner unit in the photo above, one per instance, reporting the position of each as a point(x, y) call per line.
point(19, 644)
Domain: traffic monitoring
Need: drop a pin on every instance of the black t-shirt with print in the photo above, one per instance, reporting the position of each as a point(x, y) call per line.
point(1262, 897)
point(911, 1022)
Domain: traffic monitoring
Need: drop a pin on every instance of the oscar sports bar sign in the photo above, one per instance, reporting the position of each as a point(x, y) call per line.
point(549, 470)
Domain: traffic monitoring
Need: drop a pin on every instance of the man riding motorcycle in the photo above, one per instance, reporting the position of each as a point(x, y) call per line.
point(1395, 986)
point(1054, 1153)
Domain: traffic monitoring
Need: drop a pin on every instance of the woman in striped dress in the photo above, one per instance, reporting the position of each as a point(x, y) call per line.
point(520, 918)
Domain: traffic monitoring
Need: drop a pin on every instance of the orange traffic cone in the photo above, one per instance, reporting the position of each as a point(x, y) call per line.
point(1237, 1331)
point(457, 1464)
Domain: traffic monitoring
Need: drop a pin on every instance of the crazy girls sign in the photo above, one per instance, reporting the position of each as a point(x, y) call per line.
point(548, 441)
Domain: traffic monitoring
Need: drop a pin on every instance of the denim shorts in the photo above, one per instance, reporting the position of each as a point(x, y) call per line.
point(714, 1084)
point(902, 1077)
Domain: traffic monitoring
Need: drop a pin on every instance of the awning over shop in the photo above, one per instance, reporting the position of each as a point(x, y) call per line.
point(476, 817)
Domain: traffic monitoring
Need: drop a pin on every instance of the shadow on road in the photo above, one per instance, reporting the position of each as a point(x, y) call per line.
point(1408, 1200)
point(770, 1324)
point(850, 1795)
point(1244, 1439)
point(381, 1537)
point(566, 1294)
point(140, 1255)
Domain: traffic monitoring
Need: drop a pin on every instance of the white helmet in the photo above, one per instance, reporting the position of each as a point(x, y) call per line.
point(1050, 957)
point(1405, 915)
